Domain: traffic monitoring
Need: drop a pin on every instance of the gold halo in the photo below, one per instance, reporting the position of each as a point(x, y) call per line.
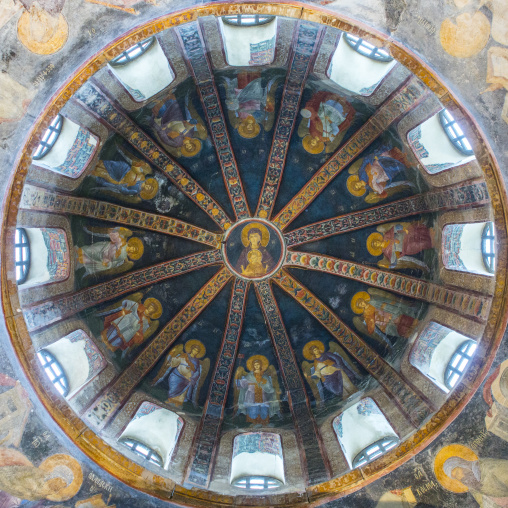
point(354, 301)
point(149, 194)
point(190, 153)
point(194, 342)
point(453, 450)
point(306, 349)
point(350, 182)
point(52, 45)
point(265, 234)
point(370, 240)
point(263, 359)
point(138, 245)
point(72, 489)
point(320, 146)
point(158, 307)
point(244, 133)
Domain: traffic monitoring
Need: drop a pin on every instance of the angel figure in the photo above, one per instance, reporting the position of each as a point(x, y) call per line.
point(181, 132)
point(249, 104)
point(374, 173)
point(325, 120)
point(383, 315)
point(398, 242)
point(125, 179)
point(129, 322)
point(111, 257)
point(328, 373)
point(186, 372)
point(257, 392)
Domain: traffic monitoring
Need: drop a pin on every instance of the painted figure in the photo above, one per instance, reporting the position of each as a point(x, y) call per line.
point(110, 257)
point(401, 498)
point(398, 243)
point(186, 372)
point(328, 373)
point(257, 392)
point(180, 131)
point(373, 175)
point(325, 120)
point(383, 315)
point(255, 260)
point(126, 179)
point(458, 469)
point(249, 104)
point(130, 322)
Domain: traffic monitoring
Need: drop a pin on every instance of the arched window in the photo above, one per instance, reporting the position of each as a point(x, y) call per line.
point(367, 49)
point(455, 133)
point(458, 363)
point(374, 451)
point(21, 255)
point(247, 19)
point(257, 483)
point(49, 138)
point(133, 52)
point(489, 247)
point(143, 451)
point(54, 371)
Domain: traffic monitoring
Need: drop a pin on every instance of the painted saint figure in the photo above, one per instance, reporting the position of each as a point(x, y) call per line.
point(255, 260)
point(257, 392)
point(375, 172)
point(110, 257)
point(325, 120)
point(127, 325)
point(328, 373)
point(186, 372)
point(399, 242)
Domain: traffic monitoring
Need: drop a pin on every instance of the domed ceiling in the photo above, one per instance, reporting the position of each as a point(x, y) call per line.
point(255, 248)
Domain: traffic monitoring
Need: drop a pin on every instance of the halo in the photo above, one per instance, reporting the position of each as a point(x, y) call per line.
point(138, 245)
point(453, 450)
point(263, 359)
point(354, 301)
point(265, 234)
point(306, 349)
point(149, 194)
point(320, 146)
point(158, 307)
point(190, 153)
point(194, 342)
point(370, 240)
point(350, 182)
point(244, 133)
point(56, 41)
point(60, 459)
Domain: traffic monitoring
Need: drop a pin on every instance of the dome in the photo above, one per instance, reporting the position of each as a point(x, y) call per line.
point(254, 254)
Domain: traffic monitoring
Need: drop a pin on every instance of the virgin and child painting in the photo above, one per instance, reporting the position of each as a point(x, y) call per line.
point(330, 374)
point(183, 373)
point(257, 391)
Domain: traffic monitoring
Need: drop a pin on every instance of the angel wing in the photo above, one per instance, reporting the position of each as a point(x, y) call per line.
point(205, 367)
point(135, 297)
point(373, 197)
point(275, 380)
point(385, 297)
point(355, 167)
point(306, 366)
point(378, 335)
point(334, 347)
point(105, 231)
point(194, 115)
point(163, 371)
point(405, 263)
point(107, 193)
point(125, 267)
point(383, 228)
point(153, 326)
point(332, 145)
point(240, 372)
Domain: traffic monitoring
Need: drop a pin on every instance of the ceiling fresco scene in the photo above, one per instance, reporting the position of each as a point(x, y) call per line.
point(253, 255)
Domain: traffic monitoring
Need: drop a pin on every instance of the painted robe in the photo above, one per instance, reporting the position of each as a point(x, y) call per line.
point(184, 377)
point(332, 373)
point(257, 399)
point(392, 319)
point(414, 239)
point(102, 256)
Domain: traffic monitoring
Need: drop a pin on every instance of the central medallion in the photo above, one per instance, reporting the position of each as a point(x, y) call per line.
point(253, 249)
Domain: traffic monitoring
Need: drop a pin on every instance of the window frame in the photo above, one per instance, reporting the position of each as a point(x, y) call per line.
point(47, 359)
point(125, 58)
point(152, 456)
point(489, 237)
point(46, 143)
point(456, 137)
point(259, 19)
point(269, 483)
point(452, 370)
point(367, 49)
point(384, 444)
point(24, 264)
